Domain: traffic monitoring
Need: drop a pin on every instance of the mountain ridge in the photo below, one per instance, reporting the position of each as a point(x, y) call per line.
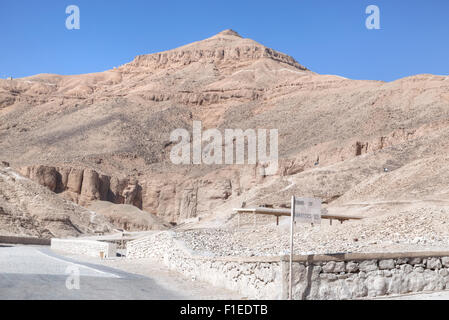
point(334, 133)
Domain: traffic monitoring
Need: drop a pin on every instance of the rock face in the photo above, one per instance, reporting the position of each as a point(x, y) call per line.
point(165, 198)
point(46, 176)
point(222, 50)
point(83, 186)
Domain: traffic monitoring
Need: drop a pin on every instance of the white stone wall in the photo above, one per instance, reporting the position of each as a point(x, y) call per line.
point(84, 247)
point(252, 277)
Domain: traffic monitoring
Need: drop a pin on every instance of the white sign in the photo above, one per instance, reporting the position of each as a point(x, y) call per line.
point(308, 210)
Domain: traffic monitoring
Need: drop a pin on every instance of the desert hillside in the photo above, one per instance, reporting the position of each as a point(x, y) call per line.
point(29, 209)
point(364, 147)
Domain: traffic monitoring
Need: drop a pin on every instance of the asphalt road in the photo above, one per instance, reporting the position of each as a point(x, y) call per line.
point(37, 273)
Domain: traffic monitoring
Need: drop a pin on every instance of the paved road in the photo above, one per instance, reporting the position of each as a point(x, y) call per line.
point(32, 272)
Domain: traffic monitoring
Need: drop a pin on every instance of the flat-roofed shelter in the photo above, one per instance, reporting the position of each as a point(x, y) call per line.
point(287, 213)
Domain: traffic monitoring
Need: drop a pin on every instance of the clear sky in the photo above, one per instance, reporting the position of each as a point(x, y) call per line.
point(328, 37)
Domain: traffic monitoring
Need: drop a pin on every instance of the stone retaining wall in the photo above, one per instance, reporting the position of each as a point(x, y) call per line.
point(85, 247)
point(253, 277)
point(353, 276)
point(340, 276)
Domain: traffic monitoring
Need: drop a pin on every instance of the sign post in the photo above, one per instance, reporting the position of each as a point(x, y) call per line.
point(290, 285)
point(307, 210)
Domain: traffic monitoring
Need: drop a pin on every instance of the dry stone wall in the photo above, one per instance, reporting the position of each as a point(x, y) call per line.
point(330, 277)
point(355, 276)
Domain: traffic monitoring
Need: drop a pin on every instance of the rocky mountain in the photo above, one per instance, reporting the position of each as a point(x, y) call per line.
point(359, 145)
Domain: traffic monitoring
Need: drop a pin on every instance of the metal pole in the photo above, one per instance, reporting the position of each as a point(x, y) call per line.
point(238, 220)
point(290, 284)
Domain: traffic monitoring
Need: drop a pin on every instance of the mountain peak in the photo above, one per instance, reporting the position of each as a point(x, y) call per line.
point(226, 47)
point(229, 32)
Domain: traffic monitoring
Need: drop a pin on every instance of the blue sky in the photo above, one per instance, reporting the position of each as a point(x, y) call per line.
point(328, 37)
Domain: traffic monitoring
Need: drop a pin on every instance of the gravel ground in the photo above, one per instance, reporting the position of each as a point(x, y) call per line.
point(408, 229)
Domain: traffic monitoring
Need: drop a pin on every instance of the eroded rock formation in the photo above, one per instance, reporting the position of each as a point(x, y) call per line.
point(82, 186)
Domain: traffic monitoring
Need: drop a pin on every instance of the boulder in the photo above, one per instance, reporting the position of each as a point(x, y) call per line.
point(386, 264)
point(433, 263)
point(368, 265)
point(352, 266)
